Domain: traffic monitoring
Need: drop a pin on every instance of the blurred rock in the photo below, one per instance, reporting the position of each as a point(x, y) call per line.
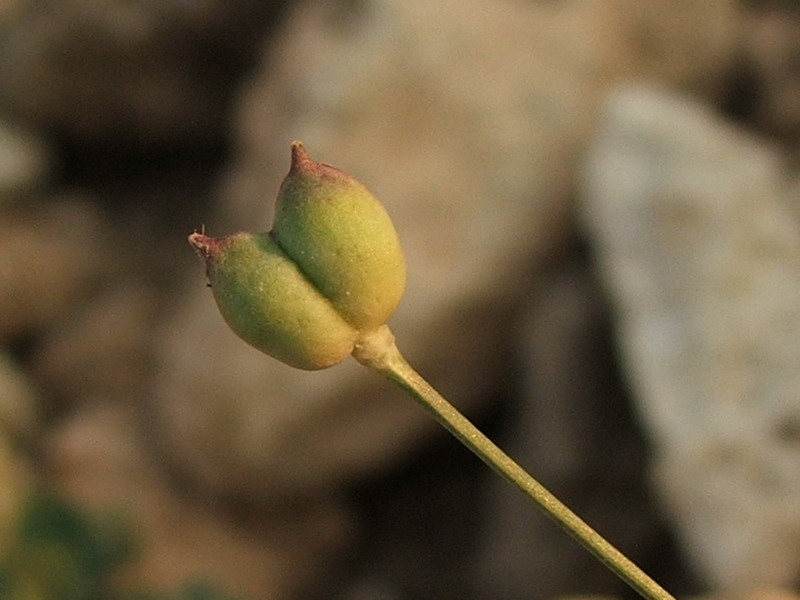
point(575, 431)
point(772, 52)
point(140, 73)
point(97, 458)
point(50, 256)
point(103, 348)
point(690, 45)
point(587, 597)
point(697, 233)
point(18, 422)
point(471, 144)
point(25, 162)
point(757, 594)
point(18, 401)
point(761, 594)
point(17, 480)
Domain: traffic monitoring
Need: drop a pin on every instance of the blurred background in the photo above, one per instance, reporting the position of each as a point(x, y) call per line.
point(599, 203)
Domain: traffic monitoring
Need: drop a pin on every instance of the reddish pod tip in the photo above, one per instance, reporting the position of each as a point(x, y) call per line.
point(301, 161)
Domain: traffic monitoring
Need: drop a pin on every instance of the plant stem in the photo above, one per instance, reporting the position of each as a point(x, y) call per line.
point(378, 351)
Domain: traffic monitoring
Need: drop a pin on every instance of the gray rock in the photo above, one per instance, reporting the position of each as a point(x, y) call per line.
point(101, 347)
point(17, 481)
point(18, 421)
point(97, 459)
point(51, 254)
point(696, 231)
point(574, 430)
point(770, 53)
point(25, 162)
point(19, 401)
point(139, 73)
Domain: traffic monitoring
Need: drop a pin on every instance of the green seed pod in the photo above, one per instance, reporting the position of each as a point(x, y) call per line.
point(342, 238)
point(329, 272)
point(270, 304)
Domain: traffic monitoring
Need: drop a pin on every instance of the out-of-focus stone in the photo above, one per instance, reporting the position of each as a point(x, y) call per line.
point(760, 594)
point(587, 597)
point(49, 255)
point(97, 458)
point(139, 73)
point(756, 594)
point(697, 234)
point(575, 431)
point(103, 348)
point(18, 421)
point(24, 162)
point(772, 51)
point(465, 118)
point(690, 45)
point(18, 401)
point(16, 483)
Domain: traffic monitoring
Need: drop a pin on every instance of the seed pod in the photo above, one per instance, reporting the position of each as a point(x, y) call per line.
point(330, 271)
point(270, 304)
point(342, 238)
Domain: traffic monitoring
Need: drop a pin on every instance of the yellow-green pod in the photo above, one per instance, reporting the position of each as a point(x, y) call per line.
point(330, 273)
point(270, 304)
point(342, 239)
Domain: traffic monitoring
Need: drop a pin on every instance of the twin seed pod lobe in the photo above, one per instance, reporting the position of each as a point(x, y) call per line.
point(330, 271)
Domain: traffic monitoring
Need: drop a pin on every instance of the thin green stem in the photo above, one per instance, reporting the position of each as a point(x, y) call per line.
point(379, 352)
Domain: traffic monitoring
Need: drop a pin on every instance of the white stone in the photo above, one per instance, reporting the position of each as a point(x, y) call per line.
point(696, 231)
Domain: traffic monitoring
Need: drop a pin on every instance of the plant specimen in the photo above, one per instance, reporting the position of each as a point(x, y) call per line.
point(321, 286)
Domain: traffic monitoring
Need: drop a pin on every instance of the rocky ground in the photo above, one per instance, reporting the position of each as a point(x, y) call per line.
point(599, 203)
